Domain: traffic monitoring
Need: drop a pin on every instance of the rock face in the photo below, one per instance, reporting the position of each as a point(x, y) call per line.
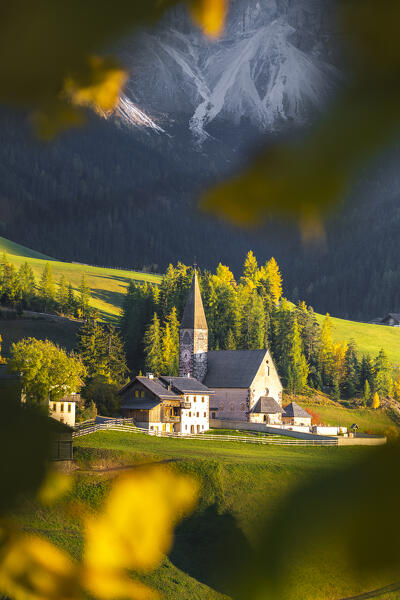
point(273, 64)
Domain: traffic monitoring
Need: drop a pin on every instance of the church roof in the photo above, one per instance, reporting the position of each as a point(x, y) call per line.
point(185, 385)
point(294, 410)
point(267, 405)
point(232, 368)
point(193, 315)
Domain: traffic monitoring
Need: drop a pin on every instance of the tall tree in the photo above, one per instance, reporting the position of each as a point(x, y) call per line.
point(170, 344)
point(62, 294)
point(153, 347)
point(250, 268)
point(274, 279)
point(46, 288)
point(26, 283)
point(383, 382)
point(84, 296)
point(295, 364)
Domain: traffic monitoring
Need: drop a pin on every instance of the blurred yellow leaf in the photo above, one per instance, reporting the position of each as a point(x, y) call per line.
point(55, 486)
point(210, 15)
point(134, 531)
point(101, 88)
point(32, 568)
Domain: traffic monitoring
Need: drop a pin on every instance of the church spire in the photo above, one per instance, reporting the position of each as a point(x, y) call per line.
point(194, 316)
point(193, 335)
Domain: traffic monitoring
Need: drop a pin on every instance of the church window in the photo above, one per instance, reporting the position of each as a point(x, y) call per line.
point(267, 370)
point(232, 407)
point(242, 406)
point(267, 392)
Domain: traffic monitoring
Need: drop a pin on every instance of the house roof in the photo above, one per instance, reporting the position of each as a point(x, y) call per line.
point(232, 368)
point(193, 315)
point(153, 385)
point(139, 403)
point(395, 316)
point(267, 405)
point(294, 410)
point(185, 385)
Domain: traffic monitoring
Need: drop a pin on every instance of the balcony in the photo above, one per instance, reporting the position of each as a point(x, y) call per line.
point(186, 404)
point(171, 419)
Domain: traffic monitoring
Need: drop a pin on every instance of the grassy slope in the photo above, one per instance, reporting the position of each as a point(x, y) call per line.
point(108, 286)
point(239, 483)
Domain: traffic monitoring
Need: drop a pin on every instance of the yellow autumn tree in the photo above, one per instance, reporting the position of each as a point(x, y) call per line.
point(376, 401)
point(274, 278)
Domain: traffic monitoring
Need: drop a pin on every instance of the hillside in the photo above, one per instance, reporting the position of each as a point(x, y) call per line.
point(239, 485)
point(108, 286)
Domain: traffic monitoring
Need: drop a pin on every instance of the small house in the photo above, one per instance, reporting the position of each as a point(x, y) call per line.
point(266, 410)
point(167, 404)
point(392, 319)
point(63, 410)
point(293, 414)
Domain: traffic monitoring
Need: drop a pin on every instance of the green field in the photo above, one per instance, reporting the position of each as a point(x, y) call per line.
point(240, 484)
point(109, 285)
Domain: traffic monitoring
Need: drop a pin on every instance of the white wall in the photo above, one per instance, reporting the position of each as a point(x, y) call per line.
point(63, 411)
point(196, 418)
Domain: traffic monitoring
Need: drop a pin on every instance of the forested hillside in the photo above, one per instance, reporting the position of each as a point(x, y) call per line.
point(129, 200)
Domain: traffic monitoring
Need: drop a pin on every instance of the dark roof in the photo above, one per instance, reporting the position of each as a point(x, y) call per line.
point(139, 403)
point(294, 410)
point(395, 316)
point(267, 405)
point(232, 368)
point(186, 385)
point(153, 385)
point(70, 398)
point(193, 315)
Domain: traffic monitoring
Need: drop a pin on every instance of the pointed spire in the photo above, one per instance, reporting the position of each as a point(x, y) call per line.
point(193, 315)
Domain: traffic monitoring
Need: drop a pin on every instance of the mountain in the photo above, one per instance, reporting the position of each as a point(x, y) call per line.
point(124, 191)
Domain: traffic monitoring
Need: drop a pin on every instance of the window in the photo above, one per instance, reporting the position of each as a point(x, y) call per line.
point(151, 426)
point(54, 406)
point(186, 427)
point(190, 414)
point(136, 393)
point(69, 407)
point(142, 393)
point(62, 407)
point(197, 414)
point(205, 414)
point(213, 415)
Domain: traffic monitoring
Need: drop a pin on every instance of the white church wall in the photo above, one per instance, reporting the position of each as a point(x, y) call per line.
point(266, 382)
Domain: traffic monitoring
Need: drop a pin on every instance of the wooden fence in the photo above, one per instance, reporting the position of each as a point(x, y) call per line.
point(266, 440)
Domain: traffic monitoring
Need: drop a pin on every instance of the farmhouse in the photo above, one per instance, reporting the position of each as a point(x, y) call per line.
point(64, 410)
point(179, 404)
point(392, 319)
point(295, 415)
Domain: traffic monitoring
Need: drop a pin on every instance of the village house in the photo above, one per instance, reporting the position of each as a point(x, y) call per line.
point(392, 319)
point(167, 404)
point(295, 415)
point(63, 410)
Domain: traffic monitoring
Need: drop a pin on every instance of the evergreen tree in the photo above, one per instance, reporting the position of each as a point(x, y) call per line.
point(295, 362)
point(83, 297)
point(326, 356)
point(46, 288)
point(71, 300)
point(170, 344)
point(62, 294)
point(351, 378)
point(230, 341)
point(383, 382)
point(367, 393)
point(274, 279)
point(137, 310)
point(153, 347)
point(253, 323)
point(26, 283)
point(10, 288)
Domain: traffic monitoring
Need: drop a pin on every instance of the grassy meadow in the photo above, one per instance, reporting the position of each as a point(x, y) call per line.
point(108, 287)
point(240, 484)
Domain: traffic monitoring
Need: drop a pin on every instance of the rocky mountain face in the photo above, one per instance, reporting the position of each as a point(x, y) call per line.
point(273, 65)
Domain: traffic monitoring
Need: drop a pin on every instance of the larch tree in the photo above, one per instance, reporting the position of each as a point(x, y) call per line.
point(250, 268)
point(26, 283)
point(376, 402)
point(62, 294)
point(46, 287)
point(274, 279)
point(84, 297)
point(295, 362)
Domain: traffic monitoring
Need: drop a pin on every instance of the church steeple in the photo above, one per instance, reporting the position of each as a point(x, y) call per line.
point(193, 335)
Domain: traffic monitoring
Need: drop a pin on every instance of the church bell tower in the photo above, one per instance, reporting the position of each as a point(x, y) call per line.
point(193, 335)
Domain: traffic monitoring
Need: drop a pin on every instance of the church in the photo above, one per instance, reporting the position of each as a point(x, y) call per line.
point(236, 385)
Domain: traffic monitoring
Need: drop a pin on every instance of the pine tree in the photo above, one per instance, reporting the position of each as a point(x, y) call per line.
point(296, 365)
point(351, 378)
point(230, 341)
point(10, 288)
point(26, 283)
point(46, 287)
point(376, 401)
point(62, 294)
point(383, 382)
point(153, 347)
point(326, 357)
point(367, 393)
point(84, 297)
point(71, 300)
point(170, 344)
point(102, 352)
point(253, 323)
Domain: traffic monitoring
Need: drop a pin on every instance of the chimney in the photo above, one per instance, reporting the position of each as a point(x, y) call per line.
point(149, 375)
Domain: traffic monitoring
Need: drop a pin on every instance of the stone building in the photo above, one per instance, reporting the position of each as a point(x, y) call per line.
point(295, 415)
point(245, 383)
